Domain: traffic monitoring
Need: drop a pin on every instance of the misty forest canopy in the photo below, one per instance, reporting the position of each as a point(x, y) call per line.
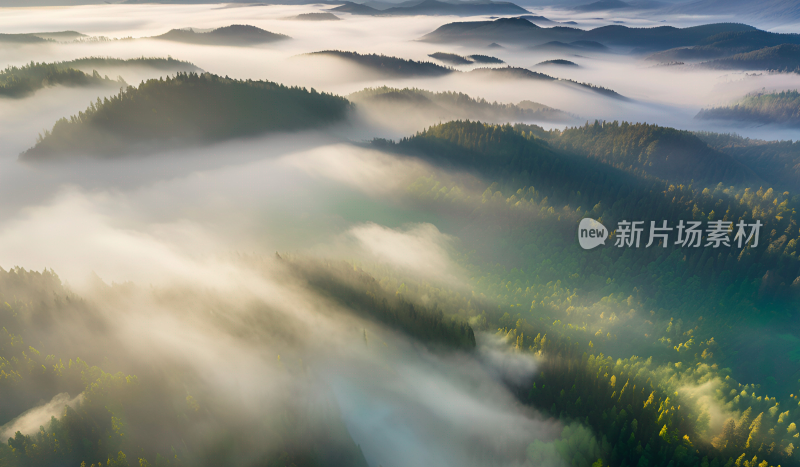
point(533, 288)
point(726, 44)
point(387, 65)
point(23, 81)
point(695, 302)
point(393, 67)
point(523, 32)
point(455, 59)
point(187, 108)
point(234, 35)
point(452, 105)
point(778, 161)
point(39, 37)
point(150, 418)
point(782, 108)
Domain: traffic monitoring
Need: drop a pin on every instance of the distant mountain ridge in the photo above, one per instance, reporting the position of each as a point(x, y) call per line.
point(770, 11)
point(521, 31)
point(435, 8)
point(399, 67)
point(725, 45)
point(425, 105)
point(234, 35)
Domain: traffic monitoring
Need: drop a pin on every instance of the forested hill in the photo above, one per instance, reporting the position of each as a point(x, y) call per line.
point(726, 44)
point(666, 153)
point(521, 31)
point(780, 108)
point(451, 106)
point(685, 310)
point(386, 65)
point(363, 294)
point(22, 39)
point(234, 35)
point(785, 57)
point(643, 150)
point(23, 81)
point(189, 108)
point(156, 63)
point(777, 161)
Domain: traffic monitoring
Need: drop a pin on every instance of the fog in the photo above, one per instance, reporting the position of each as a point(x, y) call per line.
point(192, 233)
point(668, 96)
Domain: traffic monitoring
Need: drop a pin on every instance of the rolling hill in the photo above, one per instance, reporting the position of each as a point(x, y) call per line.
point(450, 59)
point(725, 45)
point(386, 65)
point(558, 62)
point(785, 57)
point(187, 109)
point(778, 108)
point(429, 107)
point(23, 81)
point(315, 17)
point(435, 8)
point(235, 35)
point(520, 31)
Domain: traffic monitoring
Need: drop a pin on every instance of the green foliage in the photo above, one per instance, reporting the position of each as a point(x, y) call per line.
point(454, 105)
point(666, 153)
point(185, 109)
point(776, 161)
point(386, 65)
point(782, 108)
point(362, 293)
point(23, 81)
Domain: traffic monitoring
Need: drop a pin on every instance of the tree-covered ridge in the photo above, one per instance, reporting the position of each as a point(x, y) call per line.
point(150, 418)
point(315, 17)
point(785, 58)
point(777, 161)
point(666, 153)
point(22, 39)
point(509, 72)
point(234, 35)
point(25, 80)
point(188, 108)
point(522, 31)
point(478, 58)
point(363, 294)
point(455, 59)
point(453, 105)
point(144, 419)
point(657, 408)
point(156, 63)
point(450, 59)
point(570, 186)
point(386, 65)
point(726, 44)
point(781, 108)
point(683, 311)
